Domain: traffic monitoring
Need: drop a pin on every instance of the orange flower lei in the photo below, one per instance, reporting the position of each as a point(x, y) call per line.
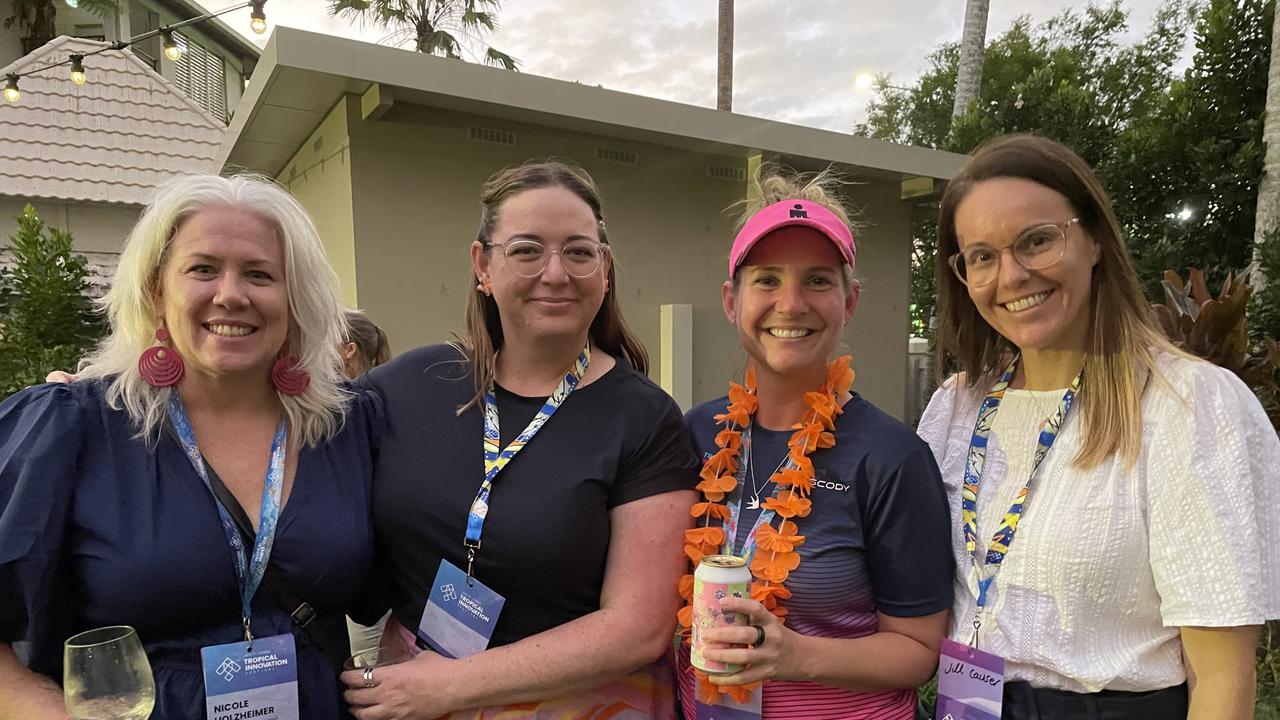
point(719, 478)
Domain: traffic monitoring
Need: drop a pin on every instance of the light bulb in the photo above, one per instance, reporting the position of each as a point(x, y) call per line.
point(11, 92)
point(171, 49)
point(257, 18)
point(77, 69)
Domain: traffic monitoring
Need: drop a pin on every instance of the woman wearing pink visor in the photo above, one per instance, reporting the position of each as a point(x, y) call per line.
point(837, 508)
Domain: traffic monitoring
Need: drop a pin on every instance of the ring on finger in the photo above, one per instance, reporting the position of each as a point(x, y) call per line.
point(368, 677)
point(759, 636)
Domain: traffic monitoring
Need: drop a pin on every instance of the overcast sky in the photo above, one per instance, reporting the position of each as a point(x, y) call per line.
point(795, 60)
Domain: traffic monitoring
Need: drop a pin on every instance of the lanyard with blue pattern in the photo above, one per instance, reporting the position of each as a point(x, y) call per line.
point(249, 571)
point(973, 477)
point(494, 461)
point(735, 504)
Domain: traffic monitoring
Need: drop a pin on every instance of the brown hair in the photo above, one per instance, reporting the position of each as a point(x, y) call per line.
point(484, 339)
point(1123, 335)
point(370, 341)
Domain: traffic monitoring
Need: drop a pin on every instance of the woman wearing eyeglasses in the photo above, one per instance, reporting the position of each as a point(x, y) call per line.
point(1116, 501)
point(532, 486)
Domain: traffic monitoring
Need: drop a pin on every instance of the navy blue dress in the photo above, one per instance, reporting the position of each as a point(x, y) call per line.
point(98, 528)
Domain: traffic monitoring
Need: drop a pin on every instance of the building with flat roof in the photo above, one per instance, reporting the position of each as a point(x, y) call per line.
point(388, 149)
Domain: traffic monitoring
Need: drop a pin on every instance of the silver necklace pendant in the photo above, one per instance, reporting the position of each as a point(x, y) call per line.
point(754, 503)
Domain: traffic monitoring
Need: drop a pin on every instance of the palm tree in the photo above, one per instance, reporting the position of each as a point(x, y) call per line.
point(1267, 216)
point(969, 76)
point(436, 27)
point(724, 57)
point(35, 18)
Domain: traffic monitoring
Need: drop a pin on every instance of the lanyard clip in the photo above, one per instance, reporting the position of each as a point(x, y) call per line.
point(248, 634)
point(472, 547)
point(977, 624)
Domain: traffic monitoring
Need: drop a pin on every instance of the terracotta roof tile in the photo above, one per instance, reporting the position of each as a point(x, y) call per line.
point(109, 140)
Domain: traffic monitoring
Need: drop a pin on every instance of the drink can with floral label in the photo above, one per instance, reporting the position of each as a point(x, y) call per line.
point(717, 577)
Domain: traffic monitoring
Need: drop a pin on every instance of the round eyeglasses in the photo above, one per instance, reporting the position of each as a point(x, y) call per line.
point(528, 258)
point(1035, 249)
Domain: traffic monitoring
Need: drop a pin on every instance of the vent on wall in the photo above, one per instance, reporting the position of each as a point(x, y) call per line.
point(725, 172)
point(614, 155)
point(491, 135)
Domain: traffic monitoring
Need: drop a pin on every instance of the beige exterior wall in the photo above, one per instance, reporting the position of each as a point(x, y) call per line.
point(319, 175)
point(416, 212)
point(877, 335)
point(94, 227)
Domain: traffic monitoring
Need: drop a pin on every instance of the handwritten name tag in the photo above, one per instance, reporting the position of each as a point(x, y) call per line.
point(970, 683)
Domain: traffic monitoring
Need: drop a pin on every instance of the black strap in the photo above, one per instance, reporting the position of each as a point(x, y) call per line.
point(302, 612)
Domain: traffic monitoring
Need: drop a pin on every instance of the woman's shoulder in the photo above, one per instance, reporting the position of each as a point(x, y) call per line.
point(1188, 380)
point(882, 434)
point(704, 414)
point(952, 403)
point(632, 391)
point(67, 401)
point(439, 361)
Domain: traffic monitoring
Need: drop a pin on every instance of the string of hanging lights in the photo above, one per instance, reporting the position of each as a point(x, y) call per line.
point(172, 50)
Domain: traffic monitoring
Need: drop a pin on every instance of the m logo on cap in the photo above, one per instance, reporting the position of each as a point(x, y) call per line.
point(799, 212)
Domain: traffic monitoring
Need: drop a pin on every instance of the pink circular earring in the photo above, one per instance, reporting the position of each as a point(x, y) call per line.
point(161, 366)
point(289, 377)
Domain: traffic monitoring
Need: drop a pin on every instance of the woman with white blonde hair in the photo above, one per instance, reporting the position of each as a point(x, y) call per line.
point(205, 479)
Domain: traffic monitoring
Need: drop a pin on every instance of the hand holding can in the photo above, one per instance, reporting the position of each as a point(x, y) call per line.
point(717, 577)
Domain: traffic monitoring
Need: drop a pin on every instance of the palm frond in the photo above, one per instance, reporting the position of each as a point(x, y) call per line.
point(476, 19)
point(497, 58)
point(102, 8)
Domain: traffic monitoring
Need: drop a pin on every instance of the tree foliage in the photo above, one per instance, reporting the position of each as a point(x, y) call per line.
point(46, 319)
point(1181, 154)
point(446, 28)
point(35, 18)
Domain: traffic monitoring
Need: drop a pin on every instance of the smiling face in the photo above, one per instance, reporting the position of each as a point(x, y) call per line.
point(1043, 309)
point(552, 304)
point(222, 293)
point(791, 304)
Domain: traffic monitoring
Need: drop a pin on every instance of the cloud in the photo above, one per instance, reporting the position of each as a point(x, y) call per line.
point(794, 62)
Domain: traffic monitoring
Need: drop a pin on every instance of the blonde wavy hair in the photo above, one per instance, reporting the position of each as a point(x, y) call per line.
point(775, 183)
point(315, 315)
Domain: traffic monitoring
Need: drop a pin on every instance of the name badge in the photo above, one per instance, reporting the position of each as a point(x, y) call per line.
point(262, 684)
point(970, 683)
point(728, 709)
point(460, 615)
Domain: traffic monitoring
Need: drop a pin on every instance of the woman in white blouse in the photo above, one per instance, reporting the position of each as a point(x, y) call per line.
point(1146, 555)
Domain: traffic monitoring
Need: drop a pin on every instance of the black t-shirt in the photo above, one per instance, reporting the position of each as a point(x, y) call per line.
point(546, 536)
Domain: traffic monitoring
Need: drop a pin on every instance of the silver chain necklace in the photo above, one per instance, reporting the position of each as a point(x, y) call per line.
point(756, 488)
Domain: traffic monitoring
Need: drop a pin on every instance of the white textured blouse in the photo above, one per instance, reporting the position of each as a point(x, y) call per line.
point(1108, 564)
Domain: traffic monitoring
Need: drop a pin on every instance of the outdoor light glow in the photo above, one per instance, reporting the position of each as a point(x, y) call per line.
point(171, 49)
point(864, 81)
point(73, 3)
point(1184, 214)
point(257, 18)
point(77, 69)
point(11, 92)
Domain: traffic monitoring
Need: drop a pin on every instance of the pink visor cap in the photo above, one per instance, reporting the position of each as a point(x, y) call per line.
point(787, 213)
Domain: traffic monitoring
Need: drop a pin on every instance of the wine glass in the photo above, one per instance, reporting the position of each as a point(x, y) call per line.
point(106, 676)
point(377, 657)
